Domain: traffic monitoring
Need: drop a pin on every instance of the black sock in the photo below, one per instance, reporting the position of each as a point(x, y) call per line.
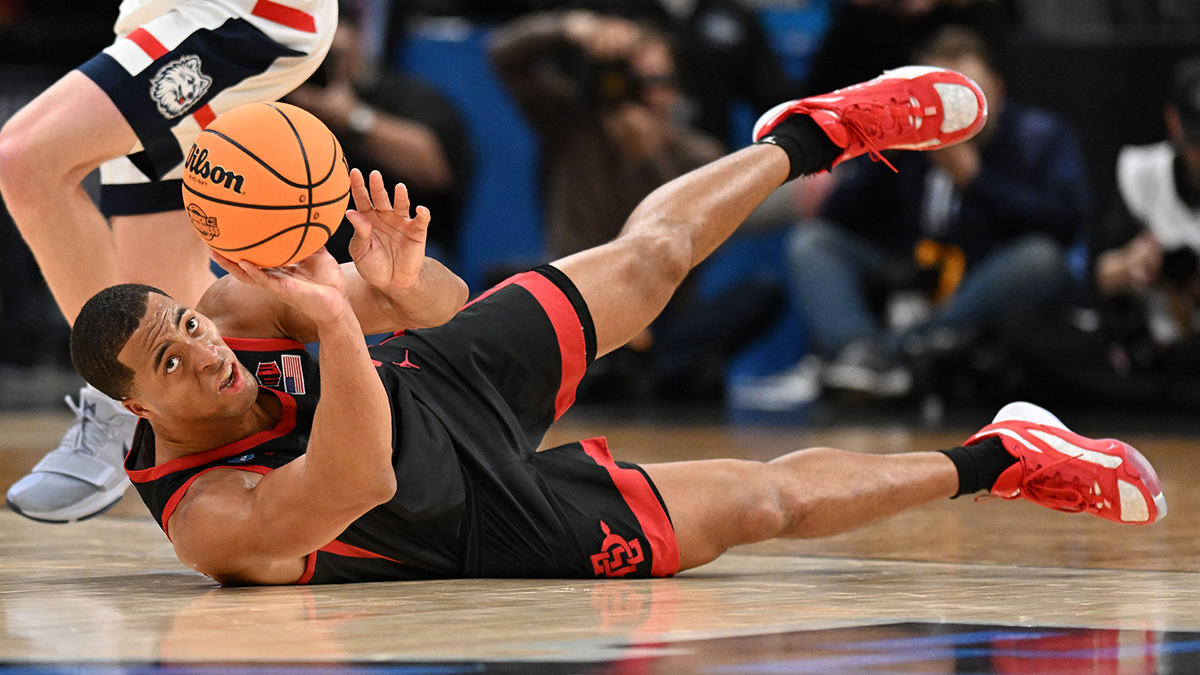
point(979, 465)
point(807, 146)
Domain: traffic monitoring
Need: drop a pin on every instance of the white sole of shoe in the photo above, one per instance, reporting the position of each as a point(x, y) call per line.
point(88, 508)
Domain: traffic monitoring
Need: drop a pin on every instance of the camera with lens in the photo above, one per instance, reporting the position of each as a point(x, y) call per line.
point(605, 83)
point(1179, 266)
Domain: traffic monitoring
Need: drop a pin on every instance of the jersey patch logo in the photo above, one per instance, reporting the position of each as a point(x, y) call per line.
point(178, 86)
point(268, 374)
point(617, 556)
point(293, 374)
point(241, 459)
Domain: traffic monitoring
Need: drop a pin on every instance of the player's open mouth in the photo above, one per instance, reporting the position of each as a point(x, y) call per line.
point(233, 379)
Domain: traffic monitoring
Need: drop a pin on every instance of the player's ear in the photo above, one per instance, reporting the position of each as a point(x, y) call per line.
point(136, 406)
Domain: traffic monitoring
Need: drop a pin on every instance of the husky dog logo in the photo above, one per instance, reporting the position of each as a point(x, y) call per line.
point(178, 85)
point(206, 226)
point(617, 556)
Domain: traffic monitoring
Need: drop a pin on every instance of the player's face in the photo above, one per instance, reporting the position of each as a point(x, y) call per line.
point(182, 368)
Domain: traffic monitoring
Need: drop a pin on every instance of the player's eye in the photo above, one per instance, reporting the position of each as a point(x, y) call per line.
point(192, 324)
point(172, 364)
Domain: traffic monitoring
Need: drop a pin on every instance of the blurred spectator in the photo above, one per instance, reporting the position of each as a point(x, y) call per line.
point(399, 125)
point(600, 91)
point(724, 55)
point(1143, 346)
point(870, 36)
point(978, 228)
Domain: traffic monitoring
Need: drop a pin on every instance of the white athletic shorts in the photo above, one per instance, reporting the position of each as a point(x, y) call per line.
point(177, 64)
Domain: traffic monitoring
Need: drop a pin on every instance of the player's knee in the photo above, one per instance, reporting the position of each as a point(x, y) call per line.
point(17, 162)
point(665, 255)
point(761, 514)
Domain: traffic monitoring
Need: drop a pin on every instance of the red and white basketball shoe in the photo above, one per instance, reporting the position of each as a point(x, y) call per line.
point(909, 108)
point(1064, 471)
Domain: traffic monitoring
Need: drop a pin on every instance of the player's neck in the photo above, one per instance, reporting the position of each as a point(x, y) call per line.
point(179, 438)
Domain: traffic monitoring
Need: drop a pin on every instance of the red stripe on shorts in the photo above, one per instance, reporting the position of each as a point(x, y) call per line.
point(149, 44)
point(204, 116)
point(572, 346)
point(638, 494)
point(284, 15)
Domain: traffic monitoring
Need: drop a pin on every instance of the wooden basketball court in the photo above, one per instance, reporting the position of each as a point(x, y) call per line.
point(957, 587)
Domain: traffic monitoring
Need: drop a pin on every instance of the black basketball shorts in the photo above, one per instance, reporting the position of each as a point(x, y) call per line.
point(497, 376)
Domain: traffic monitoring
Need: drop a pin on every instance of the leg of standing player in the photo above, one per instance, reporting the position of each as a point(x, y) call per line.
point(134, 110)
point(46, 150)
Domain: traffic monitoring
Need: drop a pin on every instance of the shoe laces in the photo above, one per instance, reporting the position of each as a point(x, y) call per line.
point(88, 433)
point(871, 123)
point(1049, 488)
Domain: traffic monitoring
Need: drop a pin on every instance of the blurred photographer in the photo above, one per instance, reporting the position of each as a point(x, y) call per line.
point(601, 92)
point(1147, 249)
point(404, 127)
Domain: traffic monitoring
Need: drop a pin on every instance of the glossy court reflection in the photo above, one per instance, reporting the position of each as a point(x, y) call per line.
point(955, 588)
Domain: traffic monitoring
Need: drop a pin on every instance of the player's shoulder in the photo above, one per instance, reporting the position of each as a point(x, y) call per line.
point(240, 310)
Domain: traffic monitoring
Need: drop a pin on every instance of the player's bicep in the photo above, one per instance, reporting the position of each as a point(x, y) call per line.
point(241, 527)
point(242, 310)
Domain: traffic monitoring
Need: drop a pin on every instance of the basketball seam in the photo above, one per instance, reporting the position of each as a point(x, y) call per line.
point(307, 176)
point(273, 236)
point(254, 157)
point(261, 207)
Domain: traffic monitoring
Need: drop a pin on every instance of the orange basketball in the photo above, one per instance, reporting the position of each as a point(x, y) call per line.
point(266, 182)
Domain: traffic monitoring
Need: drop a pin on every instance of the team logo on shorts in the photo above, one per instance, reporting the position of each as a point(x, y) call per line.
point(617, 556)
point(206, 226)
point(178, 85)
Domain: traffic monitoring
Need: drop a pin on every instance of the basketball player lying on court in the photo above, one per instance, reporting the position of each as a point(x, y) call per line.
point(415, 459)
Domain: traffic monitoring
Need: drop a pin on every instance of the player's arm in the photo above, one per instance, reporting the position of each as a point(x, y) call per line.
point(238, 528)
point(391, 284)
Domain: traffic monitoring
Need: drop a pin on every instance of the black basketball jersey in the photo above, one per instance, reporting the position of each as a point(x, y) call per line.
point(390, 542)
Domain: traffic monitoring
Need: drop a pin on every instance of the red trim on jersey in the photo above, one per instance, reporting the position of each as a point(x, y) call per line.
point(338, 548)
point(287, 422)
point(287, 16)
point(638, 494)
point(350, 551)
point(149, 44)
point(262, 344)
point(393, 336)
point(173, 502)
point(572, 346)
point(204, 116)
point(309, 568)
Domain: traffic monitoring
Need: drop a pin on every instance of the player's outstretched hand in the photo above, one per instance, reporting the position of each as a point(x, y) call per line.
point(315, 286)
point(388, 246)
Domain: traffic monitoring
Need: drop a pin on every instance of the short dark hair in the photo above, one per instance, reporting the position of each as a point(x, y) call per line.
point(101, 330)
point(954, 42)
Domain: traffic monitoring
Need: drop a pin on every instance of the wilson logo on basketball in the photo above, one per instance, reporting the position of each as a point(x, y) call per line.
point(617, 556)
point(206, 226)
point(197, 165)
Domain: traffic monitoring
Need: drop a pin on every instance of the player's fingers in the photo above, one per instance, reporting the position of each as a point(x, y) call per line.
point(402, 205)
point(379, 195)
point(421, 222)
point(229, 266)
point(362, 227)
point(358, 190)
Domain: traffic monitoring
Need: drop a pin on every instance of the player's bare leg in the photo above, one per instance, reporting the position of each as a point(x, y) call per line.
point(162, 250)
point(819, 492)
point(46, 150)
